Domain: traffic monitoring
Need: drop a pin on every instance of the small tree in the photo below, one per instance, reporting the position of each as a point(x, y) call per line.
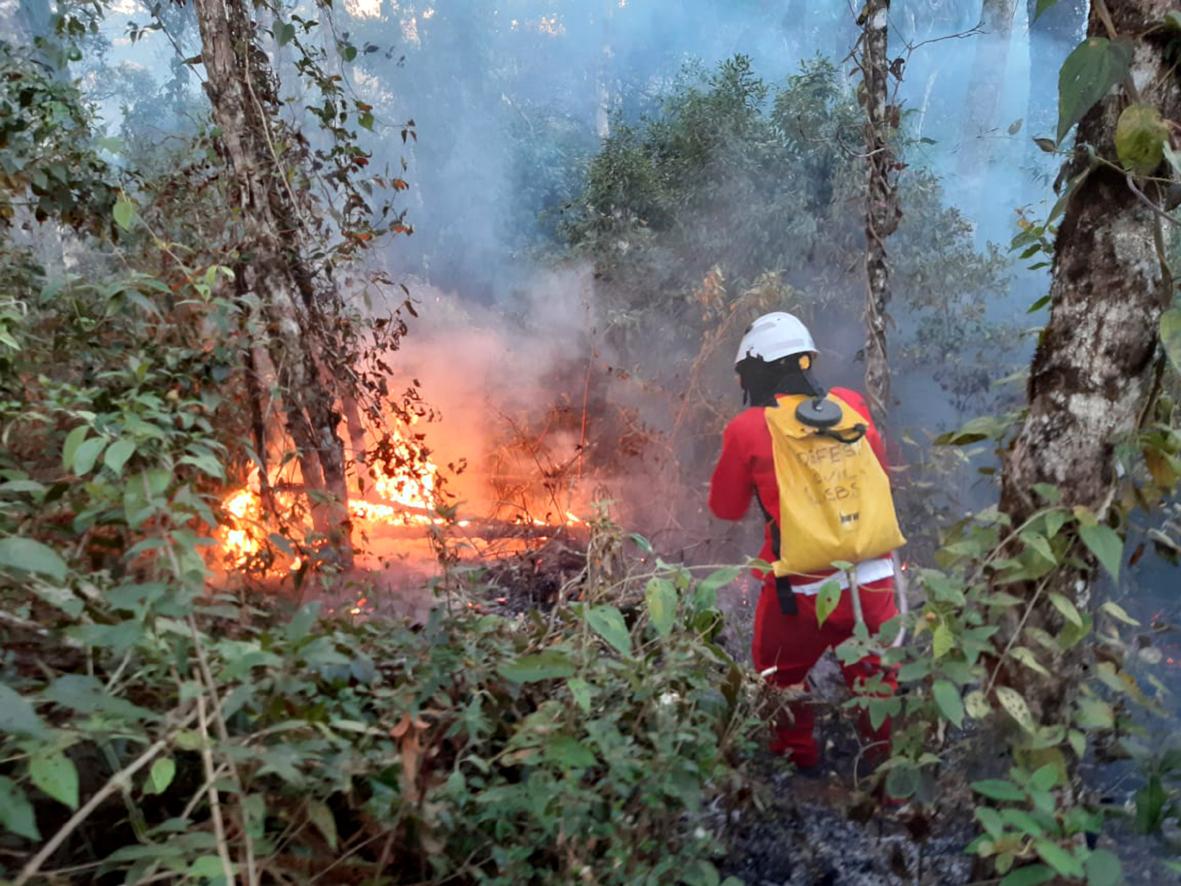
point(882, 210)
point(1093, 376)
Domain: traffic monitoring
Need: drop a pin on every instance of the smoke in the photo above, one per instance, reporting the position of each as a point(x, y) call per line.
point(508, 387)
point(511, 99)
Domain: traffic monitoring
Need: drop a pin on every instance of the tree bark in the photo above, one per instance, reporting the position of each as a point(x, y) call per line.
point(1092, 374)
point(882, 207)
point(985, 88)
point(795, 25)
point(603, 74)
point(1066, 20)
point(241, 91)
point(1052, 35)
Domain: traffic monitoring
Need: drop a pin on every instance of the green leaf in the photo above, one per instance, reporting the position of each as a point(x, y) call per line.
point(284, 33)
point(1023, 821)
point(581, 692)
point(1046, 778)
point(1025, 655)
point(208, 867)
point(1103, 868)
point(1071, 634)
point(1042, 6)
point(715, 581)
point(1093, 713)
point(1059, 859)
point(548, 665)
point(28, 555)
point(160, 776)
point(54, 773)
point(255, 807)
point(17, 715)
point(976, 704)
point(661, 598)
point(999, 789)
point(1088, 74)
point(608, 623)
point(1151, 801)
point(16, 812)
point(827, 601)
point(365, 120)
point(1105, 543)
point(124, 212)
point(321, 816)
point(1118, 612)
point(73, 441)
point(1039, 304)
point(1030, 875)
point(914, 670)
point(1170, 336)
point(118, 453)
point(87, 454)
point(86, 695)
point(568, 752)
point(642, 543)
point(984, 427)
point(1140, 138)
point(1069, 610)
point(990, 820)
point(947, 697)
point(301, 623)
point(1013, 702)
point(942, 641)
point(902, 781)
point(1173, 155)
point(1039, 544)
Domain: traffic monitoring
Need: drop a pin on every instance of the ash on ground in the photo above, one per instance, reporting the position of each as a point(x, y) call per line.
point(533, 579)
point(822, 828)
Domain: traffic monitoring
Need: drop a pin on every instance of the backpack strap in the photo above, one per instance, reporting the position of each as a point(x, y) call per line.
point(783, 588)
point(851, 436)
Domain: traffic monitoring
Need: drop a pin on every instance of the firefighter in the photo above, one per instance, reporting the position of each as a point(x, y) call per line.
point(774, 365)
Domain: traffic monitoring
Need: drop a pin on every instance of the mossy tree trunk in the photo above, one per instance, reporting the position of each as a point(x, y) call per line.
point(1093, 374)
point(294, 306)
point(882, 210)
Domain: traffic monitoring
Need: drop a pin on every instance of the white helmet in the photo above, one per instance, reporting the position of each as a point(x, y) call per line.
point(773, 336)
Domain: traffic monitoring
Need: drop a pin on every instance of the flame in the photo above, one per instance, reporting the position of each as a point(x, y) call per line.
point(402, 491)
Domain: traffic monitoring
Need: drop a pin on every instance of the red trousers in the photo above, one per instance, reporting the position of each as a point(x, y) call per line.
point(794, 643)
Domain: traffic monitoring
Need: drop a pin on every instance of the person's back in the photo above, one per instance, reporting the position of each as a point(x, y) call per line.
point(774, 364)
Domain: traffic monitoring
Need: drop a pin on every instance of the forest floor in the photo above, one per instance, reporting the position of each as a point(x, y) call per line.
point(819, 828)
point(793, 829)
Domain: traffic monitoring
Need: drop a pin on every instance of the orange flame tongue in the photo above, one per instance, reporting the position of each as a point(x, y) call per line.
point(405, 483)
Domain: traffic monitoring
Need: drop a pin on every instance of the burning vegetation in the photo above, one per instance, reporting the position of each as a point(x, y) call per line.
point(297, 584)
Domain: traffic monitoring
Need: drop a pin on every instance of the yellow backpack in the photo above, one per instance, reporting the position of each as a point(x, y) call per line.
point(834, 497)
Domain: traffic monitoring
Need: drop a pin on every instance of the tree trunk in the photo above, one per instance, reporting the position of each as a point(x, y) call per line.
point(603, 75)
point(882, 209)
point(795, 25)
point(985, 88)
point(241, 91)
point(1092, 373)
point(1052, 35)
point(1066, 21)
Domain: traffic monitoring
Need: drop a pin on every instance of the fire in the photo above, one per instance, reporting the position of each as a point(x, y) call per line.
point(412, 480)
point(402, 490)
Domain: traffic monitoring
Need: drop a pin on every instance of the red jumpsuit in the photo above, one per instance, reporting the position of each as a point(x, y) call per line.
point(794, 643)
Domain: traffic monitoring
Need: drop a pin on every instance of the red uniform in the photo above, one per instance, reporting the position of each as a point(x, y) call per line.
point(792, 644)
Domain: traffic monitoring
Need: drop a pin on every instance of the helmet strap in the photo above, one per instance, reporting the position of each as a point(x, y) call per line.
point(762, 381)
